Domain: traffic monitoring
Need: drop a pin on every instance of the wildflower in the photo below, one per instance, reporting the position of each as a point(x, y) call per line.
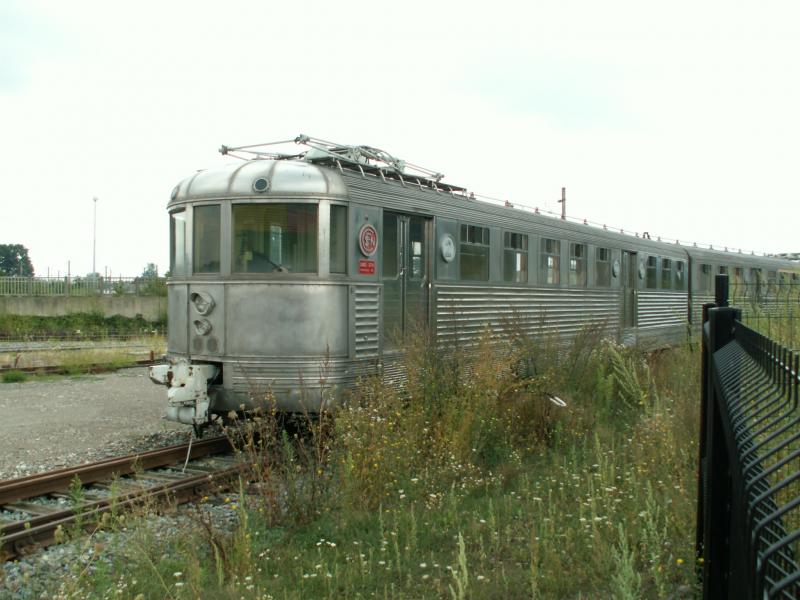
point(679, 562)
point(423, 565)
point(177, 574)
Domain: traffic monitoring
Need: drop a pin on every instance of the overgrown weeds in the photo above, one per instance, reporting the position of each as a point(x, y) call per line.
point(519, 467)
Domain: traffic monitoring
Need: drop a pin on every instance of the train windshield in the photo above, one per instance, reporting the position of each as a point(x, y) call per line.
point(275, 238)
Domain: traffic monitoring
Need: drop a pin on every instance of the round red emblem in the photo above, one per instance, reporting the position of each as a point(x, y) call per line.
point(368, 239)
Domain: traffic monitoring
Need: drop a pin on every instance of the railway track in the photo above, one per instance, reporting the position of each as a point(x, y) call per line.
point(88, 368)
point(34, 508)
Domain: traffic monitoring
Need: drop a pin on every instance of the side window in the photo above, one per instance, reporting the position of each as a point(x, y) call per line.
point(389, 245)
point(577, 265)
point(723, 270)
point(704, 279)
point(666, 273)
point(602, 267)
point(474, 249)
point(680, 275)
point(205, 239)
point(652, 273)
point(338, 239)
point(177, 243)
point(515, 257)
point(772, 281)
point(550, 262)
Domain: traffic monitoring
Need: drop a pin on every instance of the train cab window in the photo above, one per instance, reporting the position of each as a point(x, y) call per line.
point(666, 273)
point(177, 245)
point(652, 273)
point(338, 239)
point(275, 238)
point(550, 262)
point(205, 239)
point(602, 267)
point(704, 279)
point(577, 265)
point(515, 257)
point(723, 270)
point(474, 249)
point(680, 275)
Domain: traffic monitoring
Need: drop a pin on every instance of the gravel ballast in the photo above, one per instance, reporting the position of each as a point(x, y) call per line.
point(68, 421)
point(72, 420)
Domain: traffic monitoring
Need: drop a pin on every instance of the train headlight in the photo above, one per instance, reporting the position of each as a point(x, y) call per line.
point(202, 326)
point(203, 303)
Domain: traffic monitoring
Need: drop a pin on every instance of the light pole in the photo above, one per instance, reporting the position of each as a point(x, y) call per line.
point(94, 237)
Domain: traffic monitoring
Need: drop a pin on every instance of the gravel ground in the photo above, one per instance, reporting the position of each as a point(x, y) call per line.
point(69, 421)
point(72, 420)
point(51, 573)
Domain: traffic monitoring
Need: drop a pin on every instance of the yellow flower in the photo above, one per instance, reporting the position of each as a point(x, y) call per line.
point(679, 562)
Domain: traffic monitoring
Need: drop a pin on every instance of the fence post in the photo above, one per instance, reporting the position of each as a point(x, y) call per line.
point(714, 477)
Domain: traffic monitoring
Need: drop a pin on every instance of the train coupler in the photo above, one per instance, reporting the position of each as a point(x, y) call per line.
point(187, 395)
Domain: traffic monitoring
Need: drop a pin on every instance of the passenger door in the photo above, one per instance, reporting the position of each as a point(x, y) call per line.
point(405, 274)
point(630, 269)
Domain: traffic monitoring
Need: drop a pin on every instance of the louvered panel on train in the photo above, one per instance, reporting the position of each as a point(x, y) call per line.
point(366, 299)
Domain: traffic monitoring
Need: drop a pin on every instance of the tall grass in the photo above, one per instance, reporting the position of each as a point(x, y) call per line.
point(466, 482)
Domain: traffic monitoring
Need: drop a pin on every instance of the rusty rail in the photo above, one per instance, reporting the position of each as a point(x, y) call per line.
point(21, 537)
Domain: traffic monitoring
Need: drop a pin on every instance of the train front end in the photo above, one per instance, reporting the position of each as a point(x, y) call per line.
point(258, 298)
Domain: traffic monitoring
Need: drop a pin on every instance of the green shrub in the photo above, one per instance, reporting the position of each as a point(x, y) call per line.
point(14, 377)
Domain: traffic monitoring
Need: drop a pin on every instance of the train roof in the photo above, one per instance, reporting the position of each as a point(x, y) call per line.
point(332, 170)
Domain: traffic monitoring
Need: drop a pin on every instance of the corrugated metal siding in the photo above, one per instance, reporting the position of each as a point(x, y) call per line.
point(463, 312)
point(367, 320)
point(285, 373)
point(697, 307)
point(657, 309)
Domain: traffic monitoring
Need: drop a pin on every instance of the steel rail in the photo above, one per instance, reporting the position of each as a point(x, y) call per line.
point(60, 480)
point(40, 530)
point(24, 537)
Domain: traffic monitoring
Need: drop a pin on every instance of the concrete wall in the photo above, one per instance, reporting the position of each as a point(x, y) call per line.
point(151, 308)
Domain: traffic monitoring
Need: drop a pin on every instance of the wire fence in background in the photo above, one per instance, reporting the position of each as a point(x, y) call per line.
point(83, 286)
point(771, 308)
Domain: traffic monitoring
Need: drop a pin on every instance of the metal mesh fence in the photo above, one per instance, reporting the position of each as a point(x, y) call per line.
point(771, 308)
point(83, 286)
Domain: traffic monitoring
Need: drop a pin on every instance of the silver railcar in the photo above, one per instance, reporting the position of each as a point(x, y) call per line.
point(297, 273)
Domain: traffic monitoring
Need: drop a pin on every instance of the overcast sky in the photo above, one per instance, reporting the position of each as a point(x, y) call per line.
point(678, 118)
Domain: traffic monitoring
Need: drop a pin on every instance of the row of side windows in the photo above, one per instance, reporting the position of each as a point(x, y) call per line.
point(672, 277)
point(474, 246)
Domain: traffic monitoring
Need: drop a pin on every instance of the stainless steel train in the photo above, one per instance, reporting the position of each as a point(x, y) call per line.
point(300, 272)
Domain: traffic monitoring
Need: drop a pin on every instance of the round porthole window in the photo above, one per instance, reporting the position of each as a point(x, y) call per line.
point(447, 246)
point(261, 185)
point(615, 269)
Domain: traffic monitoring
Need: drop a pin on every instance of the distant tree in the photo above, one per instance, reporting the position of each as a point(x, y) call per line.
point(149, 284)
point(14, 261)
point(151, 270)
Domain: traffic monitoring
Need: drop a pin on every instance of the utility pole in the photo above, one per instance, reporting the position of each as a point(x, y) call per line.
point(563, 203)
point(94, 237)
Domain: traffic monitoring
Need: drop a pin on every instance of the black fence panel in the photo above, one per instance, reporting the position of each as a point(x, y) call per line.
point(748, 511)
